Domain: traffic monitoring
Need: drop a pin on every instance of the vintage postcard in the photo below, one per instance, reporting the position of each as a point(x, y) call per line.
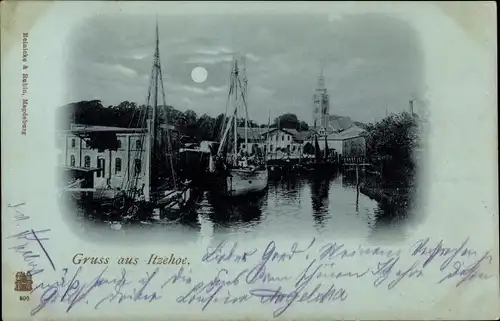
point(249, 160)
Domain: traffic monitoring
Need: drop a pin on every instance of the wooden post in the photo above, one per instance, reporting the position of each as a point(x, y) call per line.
point(357, 174)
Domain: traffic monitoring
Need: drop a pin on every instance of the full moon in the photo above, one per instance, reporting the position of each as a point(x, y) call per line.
point(199, 74)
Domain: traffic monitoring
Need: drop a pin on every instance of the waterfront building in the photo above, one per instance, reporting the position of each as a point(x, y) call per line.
point(113, 154)
point(285, 142)
point(254, 138)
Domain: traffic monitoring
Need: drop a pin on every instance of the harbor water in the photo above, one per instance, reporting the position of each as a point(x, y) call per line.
point(296, 206)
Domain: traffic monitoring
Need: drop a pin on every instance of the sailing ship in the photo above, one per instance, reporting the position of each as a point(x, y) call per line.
point(151, 183)
point(165, 191)
point(240, 172)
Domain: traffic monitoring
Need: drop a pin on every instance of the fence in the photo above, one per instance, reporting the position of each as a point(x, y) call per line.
point(353, 160)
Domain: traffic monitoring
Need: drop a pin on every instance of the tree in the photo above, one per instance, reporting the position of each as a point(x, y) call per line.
point(190, 118)
point(303, 126)
point(170, 115)
point(206, 127)
point(250, 123)
point(128, 114)
point(390, 143)
point(287, 120)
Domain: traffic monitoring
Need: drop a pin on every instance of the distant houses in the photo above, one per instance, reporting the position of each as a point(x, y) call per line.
point(342, 135)
point(346, 139)
point(284, 141)
point(254, 137)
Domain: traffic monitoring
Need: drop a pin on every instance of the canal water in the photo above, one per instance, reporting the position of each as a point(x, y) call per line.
point(330, 206)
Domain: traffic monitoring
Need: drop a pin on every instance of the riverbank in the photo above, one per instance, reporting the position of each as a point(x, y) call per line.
point(388, 196)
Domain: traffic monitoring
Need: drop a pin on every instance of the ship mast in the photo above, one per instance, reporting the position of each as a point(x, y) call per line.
point(235, 77)
point(267, 135)
point(244, 92)
point(156, 154)
point(153, 150)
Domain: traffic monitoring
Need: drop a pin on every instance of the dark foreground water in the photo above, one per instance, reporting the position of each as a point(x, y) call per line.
point(306, 206)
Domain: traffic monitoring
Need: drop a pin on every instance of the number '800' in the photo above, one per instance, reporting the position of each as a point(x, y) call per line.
point(24, 298)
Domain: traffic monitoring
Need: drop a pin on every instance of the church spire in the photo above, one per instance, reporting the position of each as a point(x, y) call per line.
point(321, 100)
point(321, 78)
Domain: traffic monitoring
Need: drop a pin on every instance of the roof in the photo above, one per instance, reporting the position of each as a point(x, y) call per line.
point(291, 131)
point(349, 133)
point(79, 169)
point(297, 136)
point(306, 134)
point(339, 123)
point(254, 133)
point(81, 129)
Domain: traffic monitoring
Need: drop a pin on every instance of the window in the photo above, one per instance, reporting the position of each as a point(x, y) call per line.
point(288, 137)
point(137, 165)
point(119, 143)
point(283, 137)
point(87, 161)
point(118, 165)
point(293, 148)
point(87, 145)
point(73, 143)
point(72, 160)
point(138, 144)
point(270, 148)
point(101, 166)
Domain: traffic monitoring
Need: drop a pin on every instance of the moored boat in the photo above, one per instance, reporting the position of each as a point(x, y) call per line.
point(151, 183)
point(242, 171)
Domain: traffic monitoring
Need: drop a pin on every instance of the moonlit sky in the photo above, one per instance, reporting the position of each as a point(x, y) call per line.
point(371, 62)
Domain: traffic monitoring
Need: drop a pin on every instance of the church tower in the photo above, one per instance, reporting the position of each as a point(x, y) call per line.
point(321, 103)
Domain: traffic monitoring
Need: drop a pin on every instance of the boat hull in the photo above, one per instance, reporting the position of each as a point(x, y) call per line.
point(242, 181)
point(175, 199)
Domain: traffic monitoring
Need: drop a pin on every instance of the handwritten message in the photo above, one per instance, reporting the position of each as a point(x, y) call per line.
point(29, 243)
point(234, 275)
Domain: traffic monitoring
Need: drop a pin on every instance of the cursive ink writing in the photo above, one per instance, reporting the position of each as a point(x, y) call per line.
point(281, 278)
point(71, 291)
point(317, 270)
point(20, 216)
point(219, 255)
point(137, 294)
point(299, 295)
point(388, 270)
point(206, 292)
point(335, 250)
point(28, 238)
point(468, 272)
point(271, 253)
point(421, 248)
